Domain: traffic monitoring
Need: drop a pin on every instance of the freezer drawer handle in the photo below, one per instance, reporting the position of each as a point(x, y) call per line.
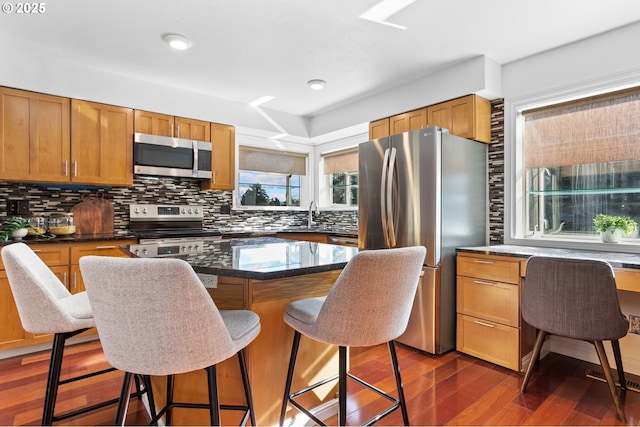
point(488, 325)
point(481, 261)
point(482, 282)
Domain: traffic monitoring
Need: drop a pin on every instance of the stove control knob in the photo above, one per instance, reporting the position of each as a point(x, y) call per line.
point(183, 210)
point(136, 210)
point(136, 251)
point(190, 211)
point(144, 252)
point(196, 211)
point(183, 249)
point(144, 210)
point(196, 248)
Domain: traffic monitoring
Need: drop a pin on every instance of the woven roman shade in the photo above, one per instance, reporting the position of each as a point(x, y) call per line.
point(598, 129)
point(265, 160)
point(341, 161)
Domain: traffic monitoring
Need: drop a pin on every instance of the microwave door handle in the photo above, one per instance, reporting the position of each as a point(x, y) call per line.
point(195, 159)
point(383, 187)
point(392, 166)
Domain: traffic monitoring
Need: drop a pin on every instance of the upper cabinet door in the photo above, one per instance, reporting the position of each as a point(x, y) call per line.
point(379, 128)
point(154, 123)
point(405, 122)
point(34, 137)
point(102, 144)
point(192, 129)
point(468, 117)
point(223, 143)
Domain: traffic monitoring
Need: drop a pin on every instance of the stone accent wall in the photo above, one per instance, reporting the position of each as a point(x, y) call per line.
point(496, 174)
point(49, 198)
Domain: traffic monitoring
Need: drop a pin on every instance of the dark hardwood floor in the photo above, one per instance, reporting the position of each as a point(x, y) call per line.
point(451, 389)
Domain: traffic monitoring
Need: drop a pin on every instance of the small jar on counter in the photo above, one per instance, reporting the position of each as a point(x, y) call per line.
point(38, 223)
point(61, 224)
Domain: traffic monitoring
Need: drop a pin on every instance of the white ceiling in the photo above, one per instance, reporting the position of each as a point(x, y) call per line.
point(245, 49)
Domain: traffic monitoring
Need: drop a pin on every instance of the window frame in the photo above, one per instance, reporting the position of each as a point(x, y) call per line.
point(515, 184)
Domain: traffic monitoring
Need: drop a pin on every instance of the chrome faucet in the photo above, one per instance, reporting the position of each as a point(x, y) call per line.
point(317, 211)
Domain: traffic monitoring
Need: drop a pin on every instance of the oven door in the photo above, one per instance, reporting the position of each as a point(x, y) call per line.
point(166, 156)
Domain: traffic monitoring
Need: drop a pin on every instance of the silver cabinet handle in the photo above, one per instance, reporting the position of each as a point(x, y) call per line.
point(106, 247)
point(75, 168)
point(178, 131)
point(75, 281)
point(488, 325)
point(66, 168)
point(482, 261)
point(64, 278)
point(482, 282)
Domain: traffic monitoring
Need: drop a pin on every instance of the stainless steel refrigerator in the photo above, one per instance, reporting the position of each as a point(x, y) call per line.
point(428, 188)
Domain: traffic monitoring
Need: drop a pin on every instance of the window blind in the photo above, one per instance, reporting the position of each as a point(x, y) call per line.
point(341, 161)
point(265, 160)
point(598, 129)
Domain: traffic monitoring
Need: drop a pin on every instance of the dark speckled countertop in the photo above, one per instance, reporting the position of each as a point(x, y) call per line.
point(617, 260)
point(75, 238)
point(265, 258)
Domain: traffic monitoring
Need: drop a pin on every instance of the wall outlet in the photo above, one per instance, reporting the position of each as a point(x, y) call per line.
point(17, 207)
point(634, 324)
point(208, 280)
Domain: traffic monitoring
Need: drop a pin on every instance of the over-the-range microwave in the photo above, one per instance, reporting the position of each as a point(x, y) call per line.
point(166, 156)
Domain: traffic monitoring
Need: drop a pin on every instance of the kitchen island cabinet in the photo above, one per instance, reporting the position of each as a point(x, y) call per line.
point(263, 275)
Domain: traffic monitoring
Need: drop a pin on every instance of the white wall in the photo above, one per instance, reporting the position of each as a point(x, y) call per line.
point(596, 63)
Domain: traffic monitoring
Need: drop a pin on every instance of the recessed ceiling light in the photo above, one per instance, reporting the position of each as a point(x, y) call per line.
point(316, 84)
point(177, 41)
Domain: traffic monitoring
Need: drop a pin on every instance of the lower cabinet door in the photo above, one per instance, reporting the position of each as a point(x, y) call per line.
point(489, 341)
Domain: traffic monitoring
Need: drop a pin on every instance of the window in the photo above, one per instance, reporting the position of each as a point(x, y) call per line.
point(579, 159)
point(270, 177)
point(341, 177)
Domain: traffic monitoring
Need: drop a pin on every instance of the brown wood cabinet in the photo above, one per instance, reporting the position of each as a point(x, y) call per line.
point(405, 122)
point(62, 259)
point(489, 324)
point(34, 137)
point(173, 126)
point(101, 144)
point(307, 237)
point(468, 117)
point(223, 161)
point(379, 128)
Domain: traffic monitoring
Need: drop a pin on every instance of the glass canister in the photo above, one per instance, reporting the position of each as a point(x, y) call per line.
point(61, 224)
point(38, 223)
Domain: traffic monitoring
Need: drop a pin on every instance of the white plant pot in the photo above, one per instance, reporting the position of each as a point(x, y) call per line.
point(609, 237)
point(19, 233)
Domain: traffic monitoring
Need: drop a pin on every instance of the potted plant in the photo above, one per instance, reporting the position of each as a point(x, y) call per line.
point(14, 228)
point(612, 227)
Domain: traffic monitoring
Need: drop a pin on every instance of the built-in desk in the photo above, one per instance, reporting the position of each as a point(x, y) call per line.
point(489, 323)
point(263, 275)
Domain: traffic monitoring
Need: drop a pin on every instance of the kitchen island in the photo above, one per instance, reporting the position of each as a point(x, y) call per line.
point(263, 275)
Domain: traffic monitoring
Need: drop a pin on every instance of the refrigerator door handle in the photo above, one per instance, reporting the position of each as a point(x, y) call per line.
point(383, 210)
point(391, 227)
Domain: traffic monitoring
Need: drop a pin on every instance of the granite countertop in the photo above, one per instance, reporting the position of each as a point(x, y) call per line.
point(616, 259)
point(265, 258)
point(75, 238)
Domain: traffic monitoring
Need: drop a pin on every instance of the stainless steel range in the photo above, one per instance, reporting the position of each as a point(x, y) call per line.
point(166, 230)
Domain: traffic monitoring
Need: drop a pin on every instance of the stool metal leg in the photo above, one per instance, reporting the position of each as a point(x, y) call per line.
point(342, 386)
point(214, 404)
point(146, 380)
point(292, 365)
point(242, 360)
point(396, 374)
point(53, 378)
point(123, 405)
point(615, 344)
point(169, 402)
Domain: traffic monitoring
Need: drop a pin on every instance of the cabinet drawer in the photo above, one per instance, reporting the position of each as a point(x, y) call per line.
point(487, 299)
point(104, 248)
point(52, 254)
point(489, 341)
point(488, 268)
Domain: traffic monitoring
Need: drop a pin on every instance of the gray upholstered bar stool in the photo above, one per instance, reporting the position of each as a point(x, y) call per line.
point(575, 298)
point(368, 305)
point(155, 317)
point(46, 306)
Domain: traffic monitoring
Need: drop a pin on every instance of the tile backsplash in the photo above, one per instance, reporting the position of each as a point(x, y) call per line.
point(47, 199)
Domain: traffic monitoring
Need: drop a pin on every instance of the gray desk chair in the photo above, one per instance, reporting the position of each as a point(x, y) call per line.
point(575, 299)
point(155, 317)
point(368, 305)
point(45, 306)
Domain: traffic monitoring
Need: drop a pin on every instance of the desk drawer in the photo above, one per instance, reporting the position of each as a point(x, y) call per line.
point(490, 300)
point(489, 341)
point(489, 269)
